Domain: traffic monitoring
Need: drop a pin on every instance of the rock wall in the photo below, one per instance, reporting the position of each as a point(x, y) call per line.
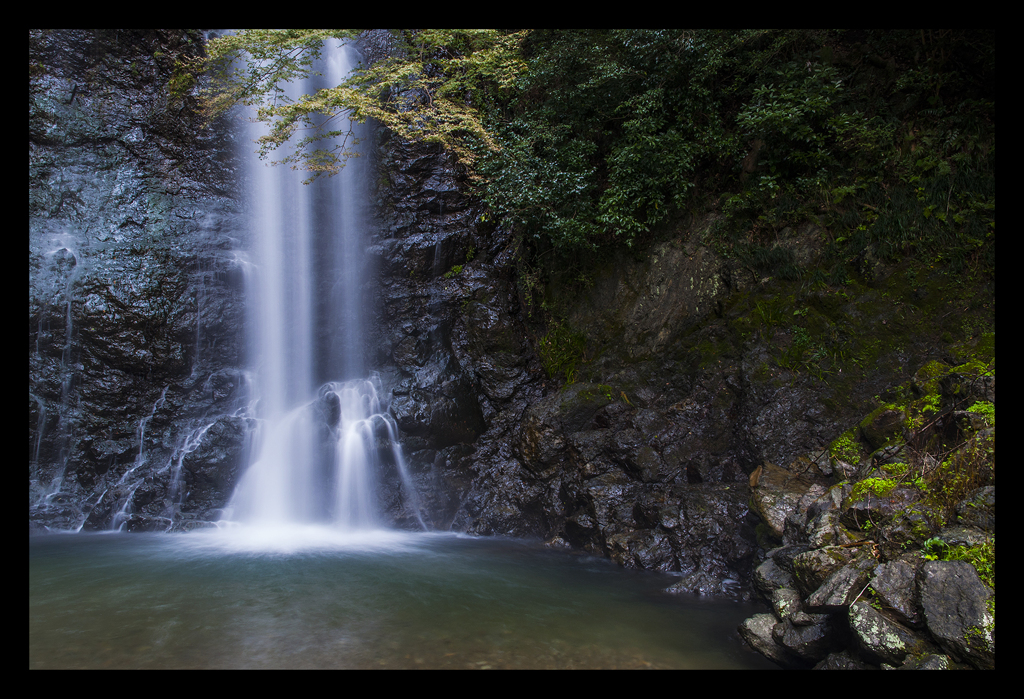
point(647, 457)
point(449, 336)
point(695, 372)
point(135, 303)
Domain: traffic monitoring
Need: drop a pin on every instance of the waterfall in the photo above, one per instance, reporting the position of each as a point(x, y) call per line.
point(324, 434)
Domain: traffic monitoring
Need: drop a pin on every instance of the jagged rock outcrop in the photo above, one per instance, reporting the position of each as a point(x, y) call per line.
point(448, 336)
point(496, 449)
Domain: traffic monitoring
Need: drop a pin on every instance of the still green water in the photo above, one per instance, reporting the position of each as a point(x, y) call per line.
point(319, 598)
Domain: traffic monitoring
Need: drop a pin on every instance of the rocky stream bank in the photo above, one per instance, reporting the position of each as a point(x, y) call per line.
point(882, 547)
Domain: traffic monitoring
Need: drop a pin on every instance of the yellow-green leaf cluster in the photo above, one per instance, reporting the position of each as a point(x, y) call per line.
point(430, 88)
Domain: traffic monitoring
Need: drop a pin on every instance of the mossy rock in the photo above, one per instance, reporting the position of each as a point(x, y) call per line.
point(881, 426)
point(875, 502)
point(812, 568)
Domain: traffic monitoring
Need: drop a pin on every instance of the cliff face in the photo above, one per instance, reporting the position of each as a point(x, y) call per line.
point(688, 370)
point(135, 305)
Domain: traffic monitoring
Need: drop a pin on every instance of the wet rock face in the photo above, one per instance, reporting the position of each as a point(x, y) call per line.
point(649, 467)
point(649, 302)
point(447, 332)
point(135, 300)
point(646, 477)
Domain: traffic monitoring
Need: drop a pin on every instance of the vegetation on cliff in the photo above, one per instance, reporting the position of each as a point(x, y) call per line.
point(881, 143)
point(585, 139)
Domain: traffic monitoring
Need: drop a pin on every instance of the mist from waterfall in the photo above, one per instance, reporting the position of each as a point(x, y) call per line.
point(324, 434)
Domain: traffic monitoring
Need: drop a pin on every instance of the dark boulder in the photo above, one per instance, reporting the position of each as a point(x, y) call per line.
point(957, 613)
point(882, 640)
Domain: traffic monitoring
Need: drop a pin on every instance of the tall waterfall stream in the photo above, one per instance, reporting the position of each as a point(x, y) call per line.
point(324, 430)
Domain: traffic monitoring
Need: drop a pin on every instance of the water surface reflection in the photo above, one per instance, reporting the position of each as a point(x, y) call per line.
point(316, 597)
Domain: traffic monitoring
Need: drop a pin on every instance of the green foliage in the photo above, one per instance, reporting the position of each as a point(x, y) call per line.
point(946, 467)
point(773, 260)
point(427, 89)
point(845, 448)
point(796, 112)
point(767, 312)
point(850, 145)
point(587, 139)
point(561, 350)
point(880, 487)
point(986, 410)
point(610, 128)
point(965, 469)
point(183, 79)
point(934, 548)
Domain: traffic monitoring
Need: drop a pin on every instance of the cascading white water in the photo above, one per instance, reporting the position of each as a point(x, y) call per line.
point(324, 435)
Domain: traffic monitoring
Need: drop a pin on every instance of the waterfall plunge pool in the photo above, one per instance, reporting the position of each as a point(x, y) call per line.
point(317, 597)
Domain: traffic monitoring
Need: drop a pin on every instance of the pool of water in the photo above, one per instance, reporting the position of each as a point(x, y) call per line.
point(318, 598)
